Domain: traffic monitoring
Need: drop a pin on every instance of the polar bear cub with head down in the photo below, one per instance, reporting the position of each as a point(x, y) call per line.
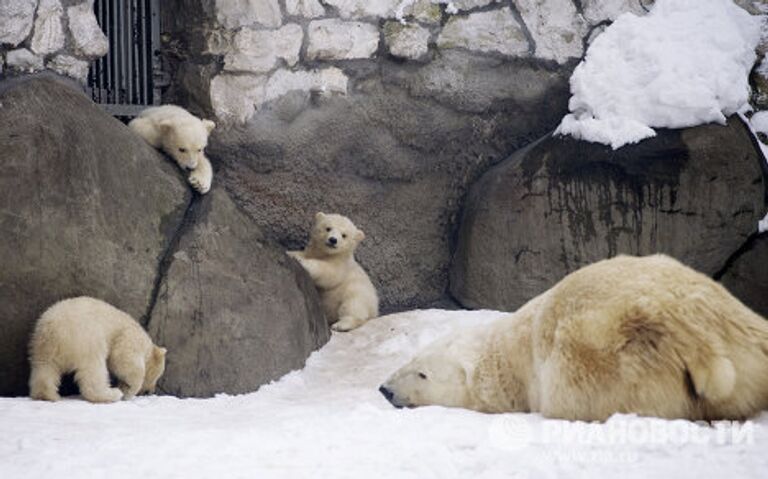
point(348, 296)
point(92, 338)
point(627, 335)
point(181, 135)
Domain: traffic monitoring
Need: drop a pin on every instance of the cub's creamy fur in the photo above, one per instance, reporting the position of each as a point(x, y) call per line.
point(348, 296)
point(631, 335)
point(92, 338)
point(181, 135)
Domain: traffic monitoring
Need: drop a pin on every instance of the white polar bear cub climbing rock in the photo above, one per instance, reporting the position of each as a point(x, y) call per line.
point(647, 336)
point(181, 135)
point(92, 338)
point(348, 296)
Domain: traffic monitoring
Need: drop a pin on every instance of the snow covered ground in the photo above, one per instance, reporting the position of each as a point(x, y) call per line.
point(328, 420)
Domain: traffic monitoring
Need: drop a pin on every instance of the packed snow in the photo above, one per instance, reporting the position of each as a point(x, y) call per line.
point(328, 420)
point(685, 63)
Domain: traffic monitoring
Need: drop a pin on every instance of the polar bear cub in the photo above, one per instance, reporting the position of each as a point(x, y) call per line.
point(181, 135)
point(92, 338)
point(647, 335)
point(348, 296)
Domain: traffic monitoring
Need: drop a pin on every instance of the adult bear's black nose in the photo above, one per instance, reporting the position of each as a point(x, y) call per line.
point(386, 393)
point(333, 240)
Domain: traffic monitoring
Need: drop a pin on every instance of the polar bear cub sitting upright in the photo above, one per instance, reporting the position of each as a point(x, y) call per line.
point(92, 338)
point(348, 296)
point(181, 135)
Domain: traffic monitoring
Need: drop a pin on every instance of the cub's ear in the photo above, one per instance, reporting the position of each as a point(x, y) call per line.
point(319, 216)
point(165, 125)
point(209, 125)
point(160, 352)
point(360, 235)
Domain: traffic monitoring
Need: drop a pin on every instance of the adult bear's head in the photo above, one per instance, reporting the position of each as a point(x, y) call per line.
point(440, 375)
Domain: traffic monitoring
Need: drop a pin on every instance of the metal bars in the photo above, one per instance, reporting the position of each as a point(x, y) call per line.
point(123, 81)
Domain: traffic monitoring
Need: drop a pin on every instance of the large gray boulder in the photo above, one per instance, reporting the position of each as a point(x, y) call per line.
point(559, 204)
point(86, 208)
point(746, 276)
point(396, 156)
point(234, 311)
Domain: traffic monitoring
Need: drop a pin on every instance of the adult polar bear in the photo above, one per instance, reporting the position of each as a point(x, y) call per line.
point(633, 335)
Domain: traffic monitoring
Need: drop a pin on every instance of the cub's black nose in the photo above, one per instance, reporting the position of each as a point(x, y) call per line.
point(388, 395)
point(333, 240)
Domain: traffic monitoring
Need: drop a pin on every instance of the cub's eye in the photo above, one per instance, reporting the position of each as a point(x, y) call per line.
point(183, 150)
point(343, 235)
point(328, 230)
point(422, 376)
point(199, 150)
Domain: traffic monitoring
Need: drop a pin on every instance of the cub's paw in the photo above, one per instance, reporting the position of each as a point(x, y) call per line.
point(347, 324)
point(108, 395)
point(201, 181)
point(128, 392)
point(294, 254)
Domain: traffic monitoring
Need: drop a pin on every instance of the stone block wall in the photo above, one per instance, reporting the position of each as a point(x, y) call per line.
point(238, 55)
point(59, 35)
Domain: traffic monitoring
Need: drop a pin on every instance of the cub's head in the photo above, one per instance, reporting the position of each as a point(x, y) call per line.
point(154, 368)
point(439, 375)
point(185, 140)
point(335, 234)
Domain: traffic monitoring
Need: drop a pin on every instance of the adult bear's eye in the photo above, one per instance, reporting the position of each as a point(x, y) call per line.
point(328, 230)
point(183, 150)
point(343, 235)
point(422, 375)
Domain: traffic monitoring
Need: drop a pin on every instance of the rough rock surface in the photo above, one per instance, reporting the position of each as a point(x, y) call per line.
point(86, 208)
point(258, 51)
point(69, 66)
point(48, 35)
point(596, 11)
point(406, 41)
point(304, 8)
point(364, 8)
point(333, 39)
point(86, 34)
point(232, 308)
point(495, 31)
point(747, 276)
point(396, 158)
point(235, 98)
point(16, 19)
point(560, 204)
point(23, 60)
point(556, 27)
point(244, 13)
point(423, 11)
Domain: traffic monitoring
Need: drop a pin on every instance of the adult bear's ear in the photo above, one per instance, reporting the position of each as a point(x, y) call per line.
point(360, 235)
point(209, 125)
point(319, 216)
point(160, 352)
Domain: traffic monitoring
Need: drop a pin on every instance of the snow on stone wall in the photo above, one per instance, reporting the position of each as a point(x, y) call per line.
point(62, 36)
point(265, 42)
